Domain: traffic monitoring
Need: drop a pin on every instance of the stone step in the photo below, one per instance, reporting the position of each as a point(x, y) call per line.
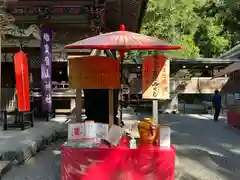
point(5, 166)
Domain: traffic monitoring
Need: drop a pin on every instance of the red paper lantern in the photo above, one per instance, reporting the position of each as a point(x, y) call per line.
point(60, 10)
point(22, 81)
point(76, 11)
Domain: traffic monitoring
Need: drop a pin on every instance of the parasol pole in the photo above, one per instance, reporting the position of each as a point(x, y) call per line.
point(121, 88)
point(1, 75)
point(122, 28)
point(155, 101)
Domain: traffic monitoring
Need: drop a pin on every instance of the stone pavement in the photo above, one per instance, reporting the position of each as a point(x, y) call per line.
point(44, 166)
point(206, 150)
point(17, 146)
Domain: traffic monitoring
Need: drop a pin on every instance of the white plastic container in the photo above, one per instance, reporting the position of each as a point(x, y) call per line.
point(165, 136)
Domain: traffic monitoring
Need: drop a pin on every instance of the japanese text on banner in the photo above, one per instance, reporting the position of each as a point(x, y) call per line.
point(46, 69)
point(155, 77)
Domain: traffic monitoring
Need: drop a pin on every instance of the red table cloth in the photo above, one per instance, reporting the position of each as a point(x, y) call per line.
point(144, 163)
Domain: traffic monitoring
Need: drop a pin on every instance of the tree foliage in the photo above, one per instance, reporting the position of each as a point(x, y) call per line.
point(205, 28)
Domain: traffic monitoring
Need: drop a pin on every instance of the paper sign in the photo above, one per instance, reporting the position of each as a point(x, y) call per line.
point(114, 135)
point(155, 77)
point(94, 72)
point(165, 136)
point(75, 131)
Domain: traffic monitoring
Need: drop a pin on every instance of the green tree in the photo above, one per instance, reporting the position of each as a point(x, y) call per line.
point(205, 28)
point(212, 37)
point(230, 11)
point(173, 21)
point(202, 27)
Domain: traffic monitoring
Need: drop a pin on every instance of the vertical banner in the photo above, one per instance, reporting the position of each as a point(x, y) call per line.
point(22, 81)
point(155, 77)
point(46, 69)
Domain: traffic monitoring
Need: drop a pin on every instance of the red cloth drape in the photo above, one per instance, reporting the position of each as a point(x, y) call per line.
point(144, 163)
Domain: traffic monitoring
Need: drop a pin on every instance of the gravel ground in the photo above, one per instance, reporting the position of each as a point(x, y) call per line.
point(205, 151)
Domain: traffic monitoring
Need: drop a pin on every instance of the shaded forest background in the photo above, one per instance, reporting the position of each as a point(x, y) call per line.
point(205, 28)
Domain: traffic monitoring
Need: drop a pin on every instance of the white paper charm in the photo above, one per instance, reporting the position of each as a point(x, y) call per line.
point(90, 129)
point(165, 136)
point(75, 131)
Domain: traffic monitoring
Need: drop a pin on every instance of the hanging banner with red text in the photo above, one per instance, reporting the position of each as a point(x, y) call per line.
point(155, 77)
point(22, 81)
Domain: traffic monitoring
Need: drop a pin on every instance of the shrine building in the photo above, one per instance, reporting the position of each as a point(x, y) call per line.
point(69, 21)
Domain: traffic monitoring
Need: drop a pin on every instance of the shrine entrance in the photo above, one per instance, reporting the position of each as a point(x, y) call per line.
point(66, 22)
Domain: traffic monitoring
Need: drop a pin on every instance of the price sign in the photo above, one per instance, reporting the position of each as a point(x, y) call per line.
point(94, 72)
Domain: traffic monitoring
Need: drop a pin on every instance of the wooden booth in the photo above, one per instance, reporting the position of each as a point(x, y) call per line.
point(231, 94)
point(121, 158)
point(95, 72)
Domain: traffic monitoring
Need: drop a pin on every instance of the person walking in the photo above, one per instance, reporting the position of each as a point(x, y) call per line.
point(217, 104)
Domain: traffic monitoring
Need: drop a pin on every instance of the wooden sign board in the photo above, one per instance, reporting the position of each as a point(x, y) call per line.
point(155, 77)
point(94, 72)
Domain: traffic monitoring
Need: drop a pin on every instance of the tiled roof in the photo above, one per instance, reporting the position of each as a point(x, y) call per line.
point(128, 12)
point(232, 53)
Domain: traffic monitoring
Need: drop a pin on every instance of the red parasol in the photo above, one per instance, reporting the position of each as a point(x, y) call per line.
point(123, 41)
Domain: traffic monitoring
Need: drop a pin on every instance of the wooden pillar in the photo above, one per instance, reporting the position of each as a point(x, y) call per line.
point(111, 106)
point(79, 105)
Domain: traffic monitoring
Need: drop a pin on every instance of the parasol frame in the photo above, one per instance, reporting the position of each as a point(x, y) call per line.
point(126, 48)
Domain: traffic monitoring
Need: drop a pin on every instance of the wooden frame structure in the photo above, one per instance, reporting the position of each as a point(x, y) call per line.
point(79, 97)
